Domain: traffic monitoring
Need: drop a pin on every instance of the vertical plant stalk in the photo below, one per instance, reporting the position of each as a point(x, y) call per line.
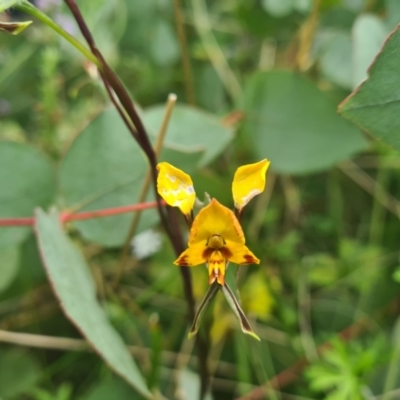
point(187, 69)
point(306, 38)
point(213, 50)
point(124, 104)
point(378, 211)
point(306, 334)
point(145, 188)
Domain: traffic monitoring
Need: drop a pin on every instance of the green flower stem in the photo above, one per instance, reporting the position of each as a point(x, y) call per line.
point(29, 8)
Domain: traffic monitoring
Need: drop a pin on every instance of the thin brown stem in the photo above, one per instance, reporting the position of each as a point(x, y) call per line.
point(131, 120)
point(145, 189)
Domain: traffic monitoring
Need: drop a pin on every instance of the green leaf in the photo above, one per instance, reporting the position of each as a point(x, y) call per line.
point(375, 104)
point(335, 60)
point(19, 372)
point(73, 285)
point(292, 123)
point(28, 181)
point(392, 13)
point(5, 4)
point(186, 161)
point(105, 168)
point(368, 36)
point(190, 129)
point(9, 263)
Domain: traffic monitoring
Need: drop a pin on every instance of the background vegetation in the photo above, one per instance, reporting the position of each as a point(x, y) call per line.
point(254, 79)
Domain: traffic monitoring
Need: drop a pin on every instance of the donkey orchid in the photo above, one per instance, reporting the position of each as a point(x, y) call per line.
point(216, 236)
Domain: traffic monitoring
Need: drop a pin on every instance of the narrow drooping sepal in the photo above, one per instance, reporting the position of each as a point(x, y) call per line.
point(248, 182)
point(176, 187)
point(234, 304)
point(212, 291)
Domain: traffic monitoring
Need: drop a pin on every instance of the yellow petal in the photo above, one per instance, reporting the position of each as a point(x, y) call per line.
point(215, 219)
point(175, 187)
point(240, 254)
point(194, 255)
point(249, 181)
point(216, 268)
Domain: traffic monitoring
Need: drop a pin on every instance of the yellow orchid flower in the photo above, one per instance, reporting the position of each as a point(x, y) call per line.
point(216, 236)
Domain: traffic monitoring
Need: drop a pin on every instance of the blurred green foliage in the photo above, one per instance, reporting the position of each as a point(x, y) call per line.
point(266, 77)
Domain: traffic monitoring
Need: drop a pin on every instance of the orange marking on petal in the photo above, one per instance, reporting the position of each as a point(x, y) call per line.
point(250, 259)
point(216, 267)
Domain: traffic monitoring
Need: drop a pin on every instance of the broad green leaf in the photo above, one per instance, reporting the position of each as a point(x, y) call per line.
point(105, 168)
point(186, 161)
point(190, 129)
point(368, 36)
point(9, 263)
point(392, 13)
point(19, 372)
point(5, 4)
point(335, 60)
point(278, 8)
point(73, 285)
point(295, 125)
point(375, 104)
point(27, 180)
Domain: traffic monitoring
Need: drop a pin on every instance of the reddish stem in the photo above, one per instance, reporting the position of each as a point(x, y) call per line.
point(66, 216)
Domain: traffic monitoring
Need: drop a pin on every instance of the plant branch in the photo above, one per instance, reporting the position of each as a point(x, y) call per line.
point(216, 55)
point(111, 80)
point(68, 216)
point(145, 188)
point(29, 8)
